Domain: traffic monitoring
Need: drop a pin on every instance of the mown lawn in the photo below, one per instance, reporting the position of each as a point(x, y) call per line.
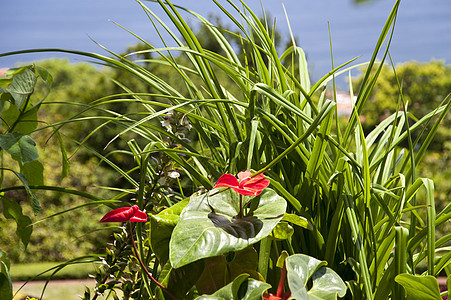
point(67, 283)
point(23, 272)
point(56, 290)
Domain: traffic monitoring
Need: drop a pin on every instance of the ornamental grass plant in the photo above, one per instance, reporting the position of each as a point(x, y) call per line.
point(340, 217)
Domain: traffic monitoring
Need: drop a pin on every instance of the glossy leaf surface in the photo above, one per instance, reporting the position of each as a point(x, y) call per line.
point(161, 227)
point(327, 285)
point(419, 287)
point(242, 288)
point(208, 226)
point(221, 270)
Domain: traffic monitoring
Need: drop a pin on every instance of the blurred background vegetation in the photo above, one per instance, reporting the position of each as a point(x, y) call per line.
point(424, 87)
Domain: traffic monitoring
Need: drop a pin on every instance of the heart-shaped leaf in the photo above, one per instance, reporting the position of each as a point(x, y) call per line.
point(242, 288)
point(419, 287)
point(209, 225)
point(327, 285)
point(223, 269)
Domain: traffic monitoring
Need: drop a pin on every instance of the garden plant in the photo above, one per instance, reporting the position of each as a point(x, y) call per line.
point(242, 181)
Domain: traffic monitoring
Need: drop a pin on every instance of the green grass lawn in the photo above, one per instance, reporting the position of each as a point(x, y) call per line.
point(22, 272)
point(56, 290)
point(67, 284)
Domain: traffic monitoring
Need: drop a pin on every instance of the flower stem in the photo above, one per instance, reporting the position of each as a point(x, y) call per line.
point(240, 213)
point(145, 269)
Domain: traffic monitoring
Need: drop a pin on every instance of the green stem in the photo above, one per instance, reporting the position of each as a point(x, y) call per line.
point(240, 213)
point(263, 259)
point(144, 267)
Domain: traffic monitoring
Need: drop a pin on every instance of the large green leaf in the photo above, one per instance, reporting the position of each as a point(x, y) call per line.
point(223, 269)
point(208, 225)
point(12, 210)
point(179, 281)
point(19, 146)
point(419, 287)
point(22, 86)
point(161, 227)
point(327, 285)
point(242, 288)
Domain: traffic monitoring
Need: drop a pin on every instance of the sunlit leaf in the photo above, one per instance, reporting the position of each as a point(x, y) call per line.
point(297, 220)
point(196, 236)
point(326, 283)
point(161, 227)
point(282, 231)
point(22, 86)
point(419, 287)
point(242, 288)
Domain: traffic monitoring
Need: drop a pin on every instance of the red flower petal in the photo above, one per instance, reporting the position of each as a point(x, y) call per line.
point(255, 184)
point(247, 192)
point(227, 180)
point(139, 216)
point(244, 174)
point(121, 214)
point(247, 186)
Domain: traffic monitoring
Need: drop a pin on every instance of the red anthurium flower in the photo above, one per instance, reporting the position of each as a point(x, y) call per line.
point(280, 295)
point(247, 186)
point(123, 214)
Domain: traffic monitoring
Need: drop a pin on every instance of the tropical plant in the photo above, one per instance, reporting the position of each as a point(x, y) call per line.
point(337, 195)
point(18, 113)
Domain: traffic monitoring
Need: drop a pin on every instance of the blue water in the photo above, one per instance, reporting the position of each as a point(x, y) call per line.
point(423, 30)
